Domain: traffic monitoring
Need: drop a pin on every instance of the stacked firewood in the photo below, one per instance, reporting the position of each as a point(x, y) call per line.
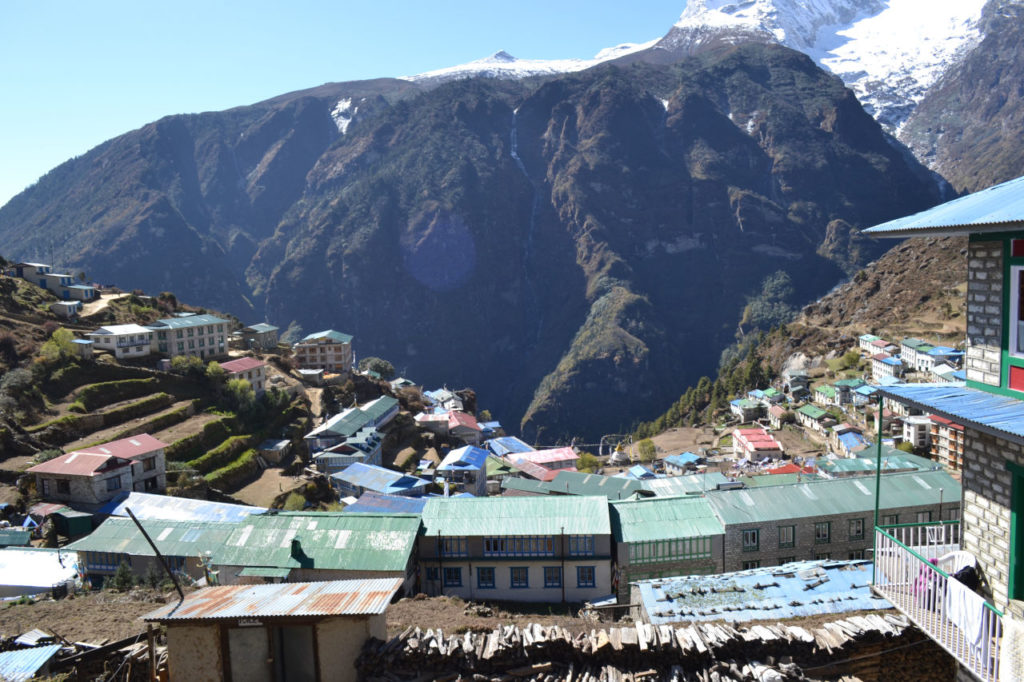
point(709, 652)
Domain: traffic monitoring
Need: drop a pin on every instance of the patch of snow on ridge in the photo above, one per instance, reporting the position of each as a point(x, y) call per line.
point(343, 113)
point(503, 65)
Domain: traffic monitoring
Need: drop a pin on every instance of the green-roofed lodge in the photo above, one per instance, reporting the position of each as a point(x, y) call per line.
point(184, 545)
point(550, 548)
point(328, 350)
point(663, 537)
point(314, 546)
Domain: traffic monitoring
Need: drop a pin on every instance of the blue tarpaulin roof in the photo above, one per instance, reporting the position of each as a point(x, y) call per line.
point(852, 440)
point(23, 664)
point(165, 507)
point(987, 412)
point(802, 588)
point(682, 459)
point(996, 208)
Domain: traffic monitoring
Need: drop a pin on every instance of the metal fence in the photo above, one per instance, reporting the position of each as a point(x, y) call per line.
point(914, 564)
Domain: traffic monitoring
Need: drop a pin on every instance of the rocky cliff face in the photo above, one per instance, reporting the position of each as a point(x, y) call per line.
point(577, 250)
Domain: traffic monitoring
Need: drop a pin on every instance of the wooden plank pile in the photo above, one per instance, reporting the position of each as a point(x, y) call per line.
point(705, 652)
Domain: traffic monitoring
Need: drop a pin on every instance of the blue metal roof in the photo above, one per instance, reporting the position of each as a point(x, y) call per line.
point(379, 479)
point(466, 458)
point(506, 445)
point(889, 381)
point(852, 440)
point(997, 208)
point(866, 390)
point(164, 507)
point(993, 414)
point(23, 664)
point(375, 503)
point(682, 459)
point(802, 588)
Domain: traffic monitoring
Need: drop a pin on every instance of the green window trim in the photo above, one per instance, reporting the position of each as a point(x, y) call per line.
point(1015, 567)
point(792, 536)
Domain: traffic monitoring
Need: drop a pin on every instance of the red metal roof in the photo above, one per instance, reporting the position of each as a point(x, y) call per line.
point(462, 419)
point(880, 356)
point(127, 448)
point(946, 422)
point(534, 470)
point(79, 464)
point(285, 600)
point(549, 456)
point(880, 343)
point(242, 365)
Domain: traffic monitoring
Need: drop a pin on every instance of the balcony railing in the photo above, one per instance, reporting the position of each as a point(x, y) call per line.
point(913, 563)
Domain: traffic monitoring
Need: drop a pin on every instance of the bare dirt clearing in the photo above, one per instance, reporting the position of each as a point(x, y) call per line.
point(271, 483)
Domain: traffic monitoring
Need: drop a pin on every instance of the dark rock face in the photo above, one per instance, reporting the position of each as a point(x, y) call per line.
point(577, 250)
point(969, 126)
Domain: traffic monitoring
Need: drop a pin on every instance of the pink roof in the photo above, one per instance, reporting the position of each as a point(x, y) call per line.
point(242, 365)
point(945, 422)
point(79, 464)
point(790, 468)
point(776, 410)
point(880, 356)
point(549, 456)
point(880, 343)
point(534, 470)
point(462, 419)
point(127, 448)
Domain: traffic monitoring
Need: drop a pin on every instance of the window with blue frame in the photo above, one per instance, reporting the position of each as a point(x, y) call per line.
point(453, 576)
point(585, 576)
point(433, 573)
point(519, 577)
point(516, 546)
point(485, 577)
point(453, 547)
point(581, 545)
point(552, 576)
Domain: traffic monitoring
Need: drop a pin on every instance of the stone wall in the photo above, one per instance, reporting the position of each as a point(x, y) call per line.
point(984, 311)
point(987, 487)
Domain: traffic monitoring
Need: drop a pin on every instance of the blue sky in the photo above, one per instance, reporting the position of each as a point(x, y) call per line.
point(74, 73)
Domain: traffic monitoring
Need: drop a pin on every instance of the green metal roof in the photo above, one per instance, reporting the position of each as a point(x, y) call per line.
point(578, 483)
point(496, 466)
point(337, 337)
point(681, 485)
point(827, 498)
point(188, 321)
point(330, 541)
point(850, 383)
point(487, 516)
point(771, 392)
point(812, 411)
point(826, 390)
point(264, 572)
point(379, 407)
point(14, 537)
point(767, 480)
point(173, 538)
point(525, 485)
point(663, 518)
point(914, 343)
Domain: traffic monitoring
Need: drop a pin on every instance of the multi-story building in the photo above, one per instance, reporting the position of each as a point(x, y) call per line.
point(328, 350)
point(146, 453)
point(252, 370)
point(83, 478)
point(825, 519)
point(947, 443)
point(884, 365)
point(536, 549)
point(123, 340)
point(917, 430)
point(202, 336)
point(990, 407)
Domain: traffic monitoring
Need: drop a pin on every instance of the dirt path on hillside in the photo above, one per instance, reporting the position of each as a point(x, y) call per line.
point(98, 305)
point(271, 483)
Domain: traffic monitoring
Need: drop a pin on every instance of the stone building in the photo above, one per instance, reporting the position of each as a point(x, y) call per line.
point(328, 350)
point(990, 407)
point(825, 519)
point(83, 478)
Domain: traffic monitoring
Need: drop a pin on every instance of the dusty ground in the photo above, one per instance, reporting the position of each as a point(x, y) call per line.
point(271, 483)
point(453, 615)
point(113, 431)
point(189, 427)
point(99, 304)
point(682, 439)
point(87, 617)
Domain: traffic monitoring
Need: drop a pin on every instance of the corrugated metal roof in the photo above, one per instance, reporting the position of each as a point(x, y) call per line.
point(148, 506)
point(506, 444)
point(80, 464)
point(23, 664)
point(993, 414)
point(15, 537)
point(335, 336)
point(534, 470)
point(378, 479)
point(467, 457)
point(185, 322)
point(681, 485)
point(173, 538)
point(812, 411)
point(242, 365)
point(792, 590)
point(329, 541)
point(378, 503)
point(827, 498)
point(33, 567)
point(1000, 207)
point(578, 483)
point(127, 448)
point(262, 327)
point(526, 485)
point(550, 515)
point(330, 598)
point(682, 459)
point(663, 518)
point(548, 456)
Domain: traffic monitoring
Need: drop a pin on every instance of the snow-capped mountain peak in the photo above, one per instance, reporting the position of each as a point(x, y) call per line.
point(889, 52)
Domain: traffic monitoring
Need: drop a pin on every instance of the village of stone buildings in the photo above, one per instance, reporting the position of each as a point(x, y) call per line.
point(904, 506)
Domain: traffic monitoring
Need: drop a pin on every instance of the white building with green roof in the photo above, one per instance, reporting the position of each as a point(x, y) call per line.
point(328, 350)
point(202, 336)
point(538, 549)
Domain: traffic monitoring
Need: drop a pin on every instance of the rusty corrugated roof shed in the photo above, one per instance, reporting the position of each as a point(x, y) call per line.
point(286, 600)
